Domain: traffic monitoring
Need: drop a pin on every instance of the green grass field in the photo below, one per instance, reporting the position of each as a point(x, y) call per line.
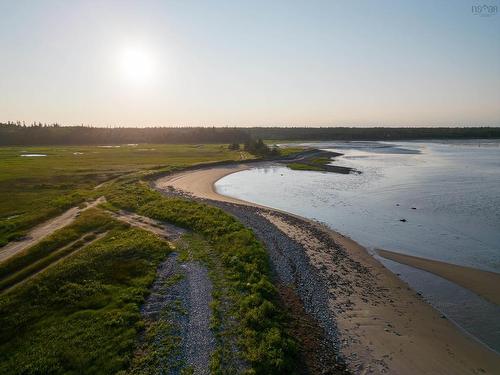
point(55, 246)
point(71, 303)
point(34, 189)
point(82, 315)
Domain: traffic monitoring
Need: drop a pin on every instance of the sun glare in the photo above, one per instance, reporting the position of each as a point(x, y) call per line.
point(136, 65)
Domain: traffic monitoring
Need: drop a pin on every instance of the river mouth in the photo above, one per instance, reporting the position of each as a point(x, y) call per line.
point(440, 201)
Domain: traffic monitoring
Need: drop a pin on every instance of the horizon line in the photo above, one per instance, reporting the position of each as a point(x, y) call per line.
point(56, 124)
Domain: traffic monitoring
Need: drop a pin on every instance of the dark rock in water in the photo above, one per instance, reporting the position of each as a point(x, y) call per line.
point(403, 220)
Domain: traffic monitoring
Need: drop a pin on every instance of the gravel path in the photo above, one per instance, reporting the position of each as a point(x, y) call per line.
point(199, 340)
point(181, 296)
point(179, 300)
point(161, 290)
point(291, 267)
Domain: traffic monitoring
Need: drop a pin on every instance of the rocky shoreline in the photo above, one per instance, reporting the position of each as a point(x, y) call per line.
point(297, 280)
point(347, 311)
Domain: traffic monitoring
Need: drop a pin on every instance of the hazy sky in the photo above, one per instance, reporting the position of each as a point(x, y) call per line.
point(249, 63)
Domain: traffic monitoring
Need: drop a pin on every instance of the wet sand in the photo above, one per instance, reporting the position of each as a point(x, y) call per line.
point(383, 325)
point(484, 283)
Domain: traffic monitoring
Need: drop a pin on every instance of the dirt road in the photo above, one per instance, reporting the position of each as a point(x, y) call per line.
point(45, 229)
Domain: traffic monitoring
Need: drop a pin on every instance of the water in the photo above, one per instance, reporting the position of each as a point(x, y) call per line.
point(448, 193)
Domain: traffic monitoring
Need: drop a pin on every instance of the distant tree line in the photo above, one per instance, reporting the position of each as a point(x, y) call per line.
point(18, 134)
point(54, 134)
point(373, 134)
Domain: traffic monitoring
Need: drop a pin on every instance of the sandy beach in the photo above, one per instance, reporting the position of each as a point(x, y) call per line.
point(484, 283)
point(373, 319)
point(200, 183)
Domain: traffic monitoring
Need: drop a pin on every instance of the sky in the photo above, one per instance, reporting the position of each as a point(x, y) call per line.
point(250, 63)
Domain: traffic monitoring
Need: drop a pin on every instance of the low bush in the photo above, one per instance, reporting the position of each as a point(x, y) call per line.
point(82, 315)
point(89, 221)
point(263, 339)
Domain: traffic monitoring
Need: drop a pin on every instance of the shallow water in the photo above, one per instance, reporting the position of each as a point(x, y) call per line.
point(448, 192)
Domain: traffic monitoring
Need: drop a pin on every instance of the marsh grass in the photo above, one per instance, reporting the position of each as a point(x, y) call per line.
point(261, 328)
point(91, 220)
point(81, 315)
point(41, 188)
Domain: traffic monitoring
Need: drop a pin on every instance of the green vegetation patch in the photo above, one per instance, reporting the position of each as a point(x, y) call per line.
point(312, 164)
point(157, 354)
point(50, 248)
point(305, 167)
point(81, 315)
point(290, 151)
point(39, 188)
point(261, 329)
point(320, 164)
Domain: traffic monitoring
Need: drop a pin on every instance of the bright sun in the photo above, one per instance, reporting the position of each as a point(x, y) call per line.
point(136, 65)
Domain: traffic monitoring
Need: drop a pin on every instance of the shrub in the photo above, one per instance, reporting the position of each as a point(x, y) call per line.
point(264, 342)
